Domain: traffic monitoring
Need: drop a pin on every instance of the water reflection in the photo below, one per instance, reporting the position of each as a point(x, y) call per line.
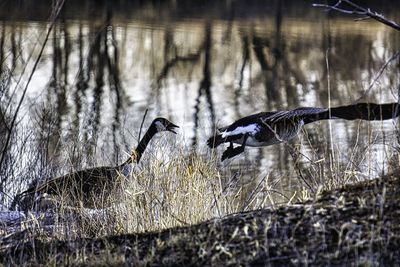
point(202, 66)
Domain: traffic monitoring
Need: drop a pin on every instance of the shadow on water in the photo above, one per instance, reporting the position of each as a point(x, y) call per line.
point(203, 65)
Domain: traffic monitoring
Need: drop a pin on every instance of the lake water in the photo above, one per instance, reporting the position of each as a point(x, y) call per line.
point(202, 64)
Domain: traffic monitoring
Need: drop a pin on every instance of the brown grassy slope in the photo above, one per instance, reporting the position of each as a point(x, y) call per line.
point(357, 224)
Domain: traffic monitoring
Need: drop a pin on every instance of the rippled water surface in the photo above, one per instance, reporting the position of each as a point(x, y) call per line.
point(202, 64)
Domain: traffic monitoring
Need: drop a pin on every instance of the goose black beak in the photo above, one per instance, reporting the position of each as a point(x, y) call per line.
point(171, 127)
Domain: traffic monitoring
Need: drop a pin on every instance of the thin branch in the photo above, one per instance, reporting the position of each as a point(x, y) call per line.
point(141, 125)
point(381, 70)
point(359, 10)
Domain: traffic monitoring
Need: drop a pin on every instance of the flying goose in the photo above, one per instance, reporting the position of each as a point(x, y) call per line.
point(92, 188)
point(269, 128)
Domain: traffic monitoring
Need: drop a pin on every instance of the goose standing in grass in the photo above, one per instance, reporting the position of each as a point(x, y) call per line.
point(269, 128)
point(92, 188)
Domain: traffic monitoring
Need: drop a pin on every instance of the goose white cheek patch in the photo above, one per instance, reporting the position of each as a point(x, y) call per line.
point(160, 127)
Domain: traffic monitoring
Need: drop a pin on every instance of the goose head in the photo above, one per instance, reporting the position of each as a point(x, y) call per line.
point(162, 124)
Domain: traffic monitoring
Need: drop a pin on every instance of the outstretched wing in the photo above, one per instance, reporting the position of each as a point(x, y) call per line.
point(307, 114)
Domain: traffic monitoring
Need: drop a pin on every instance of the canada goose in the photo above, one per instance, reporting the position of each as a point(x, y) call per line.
point(92, 188)
point(268, 128)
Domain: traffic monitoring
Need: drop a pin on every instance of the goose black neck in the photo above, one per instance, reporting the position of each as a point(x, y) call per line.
point(138, 152)
point(367, 111)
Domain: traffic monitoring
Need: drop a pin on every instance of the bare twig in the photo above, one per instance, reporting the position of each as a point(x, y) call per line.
point(355, 9)
point(381, 70)
point(141, 125)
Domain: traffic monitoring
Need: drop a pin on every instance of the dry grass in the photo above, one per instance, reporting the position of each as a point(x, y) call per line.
point(327, 165)
point(354, 225)
point(161, 193)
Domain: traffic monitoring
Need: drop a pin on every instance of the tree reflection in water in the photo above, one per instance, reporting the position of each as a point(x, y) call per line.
point(201, 65)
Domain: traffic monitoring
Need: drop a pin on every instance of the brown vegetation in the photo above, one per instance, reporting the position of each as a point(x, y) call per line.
point(356, 224)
